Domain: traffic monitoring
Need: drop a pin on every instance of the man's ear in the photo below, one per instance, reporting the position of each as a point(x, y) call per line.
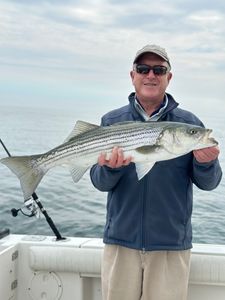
point(169, 76)
point(132, 74)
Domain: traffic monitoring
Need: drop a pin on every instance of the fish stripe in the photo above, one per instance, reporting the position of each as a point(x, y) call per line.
point(103, 140)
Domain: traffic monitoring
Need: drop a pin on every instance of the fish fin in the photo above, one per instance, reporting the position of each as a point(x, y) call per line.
point(24, 168)
point(125, 122)
point(81, 127)
point(77, 172)
point(148, 149)
point(143, 168)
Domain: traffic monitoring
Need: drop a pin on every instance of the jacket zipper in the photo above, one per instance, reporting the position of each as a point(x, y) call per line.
point(143, 241)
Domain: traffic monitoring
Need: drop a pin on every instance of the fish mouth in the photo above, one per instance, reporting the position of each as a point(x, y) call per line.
point(211, 140)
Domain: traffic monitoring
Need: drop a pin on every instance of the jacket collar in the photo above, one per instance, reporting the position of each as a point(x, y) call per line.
point(172, 104)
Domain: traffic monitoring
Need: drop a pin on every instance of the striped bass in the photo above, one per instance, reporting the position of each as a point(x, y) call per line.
point(146, 142)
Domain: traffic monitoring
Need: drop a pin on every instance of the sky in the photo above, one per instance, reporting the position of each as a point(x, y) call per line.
point(79, 53)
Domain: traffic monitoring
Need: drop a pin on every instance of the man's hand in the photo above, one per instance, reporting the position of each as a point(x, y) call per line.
point(207, 154)
point(116, 159)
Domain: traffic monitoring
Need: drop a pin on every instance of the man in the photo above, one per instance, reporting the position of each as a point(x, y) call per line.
point(148, 232)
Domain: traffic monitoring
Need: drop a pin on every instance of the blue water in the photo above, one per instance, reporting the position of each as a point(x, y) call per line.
point(79, 209)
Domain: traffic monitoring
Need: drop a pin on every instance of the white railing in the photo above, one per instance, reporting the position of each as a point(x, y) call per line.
point(37, 267)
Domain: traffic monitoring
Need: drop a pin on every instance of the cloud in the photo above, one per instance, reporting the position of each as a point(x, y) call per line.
point(91, 44)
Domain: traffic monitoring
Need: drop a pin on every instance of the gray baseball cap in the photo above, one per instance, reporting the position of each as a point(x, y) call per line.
point(152, 49)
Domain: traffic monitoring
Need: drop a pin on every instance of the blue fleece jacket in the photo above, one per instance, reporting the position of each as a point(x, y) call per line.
point(155, 212)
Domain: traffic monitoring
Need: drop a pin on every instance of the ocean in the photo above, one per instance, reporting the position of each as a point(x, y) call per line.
point(79, 209)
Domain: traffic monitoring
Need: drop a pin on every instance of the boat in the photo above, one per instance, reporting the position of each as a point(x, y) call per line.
point(37, 267)
point(46, 268)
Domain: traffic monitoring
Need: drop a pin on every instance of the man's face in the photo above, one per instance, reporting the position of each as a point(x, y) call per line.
point(150, 87)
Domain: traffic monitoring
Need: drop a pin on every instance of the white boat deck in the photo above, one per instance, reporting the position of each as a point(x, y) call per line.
point(38, 267)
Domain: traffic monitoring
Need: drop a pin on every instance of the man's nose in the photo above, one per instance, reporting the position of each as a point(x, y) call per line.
point(150, 74)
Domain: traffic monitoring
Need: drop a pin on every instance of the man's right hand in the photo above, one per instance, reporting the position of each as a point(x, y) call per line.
point(116, 159)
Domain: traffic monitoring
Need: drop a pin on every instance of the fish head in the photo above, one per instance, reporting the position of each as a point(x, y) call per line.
point(181, 138)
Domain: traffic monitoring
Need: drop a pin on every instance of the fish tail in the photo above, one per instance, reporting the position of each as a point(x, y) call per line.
point(27, 170)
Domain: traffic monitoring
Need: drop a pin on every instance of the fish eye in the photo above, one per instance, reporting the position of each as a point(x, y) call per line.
point(193, 131)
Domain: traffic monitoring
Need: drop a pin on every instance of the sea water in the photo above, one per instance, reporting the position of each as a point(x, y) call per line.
point(79, 209)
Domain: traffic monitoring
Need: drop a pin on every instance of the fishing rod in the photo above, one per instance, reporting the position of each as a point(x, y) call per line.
point(33, 206)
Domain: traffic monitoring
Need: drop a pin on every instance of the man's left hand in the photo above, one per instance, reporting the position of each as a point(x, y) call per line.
point(207, 154)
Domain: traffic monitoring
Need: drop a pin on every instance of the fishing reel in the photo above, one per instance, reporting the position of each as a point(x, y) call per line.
point(30, 206)
point(34, 207)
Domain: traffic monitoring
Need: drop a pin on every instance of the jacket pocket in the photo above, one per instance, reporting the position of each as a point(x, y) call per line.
point(119, 231)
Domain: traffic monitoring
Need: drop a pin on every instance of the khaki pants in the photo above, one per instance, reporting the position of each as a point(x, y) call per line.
point(129, 274)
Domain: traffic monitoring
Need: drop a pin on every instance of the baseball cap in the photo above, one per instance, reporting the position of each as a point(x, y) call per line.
point(152, 49)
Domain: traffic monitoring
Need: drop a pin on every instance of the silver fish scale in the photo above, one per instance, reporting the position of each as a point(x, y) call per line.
point(82, 151)
point(104, 139)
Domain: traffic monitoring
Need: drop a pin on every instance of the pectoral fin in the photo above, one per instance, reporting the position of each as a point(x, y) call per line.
point(148, 149)
point(143, 168)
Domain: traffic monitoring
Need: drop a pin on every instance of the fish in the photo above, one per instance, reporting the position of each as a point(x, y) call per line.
point(146, 142)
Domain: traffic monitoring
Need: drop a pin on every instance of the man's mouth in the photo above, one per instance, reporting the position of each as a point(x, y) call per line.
point(151, 84)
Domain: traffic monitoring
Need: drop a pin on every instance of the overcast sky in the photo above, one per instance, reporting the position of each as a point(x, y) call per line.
point(69, 53)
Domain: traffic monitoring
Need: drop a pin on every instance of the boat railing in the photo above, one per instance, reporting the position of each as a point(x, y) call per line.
point(38, 267)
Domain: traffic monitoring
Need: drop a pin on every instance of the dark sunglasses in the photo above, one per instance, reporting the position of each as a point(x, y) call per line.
point(157, 70)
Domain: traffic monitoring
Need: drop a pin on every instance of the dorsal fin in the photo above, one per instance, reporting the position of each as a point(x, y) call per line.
point(81, 127)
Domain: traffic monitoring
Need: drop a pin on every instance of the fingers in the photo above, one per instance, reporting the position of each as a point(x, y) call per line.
point(102, 159)
point(127, 161)
point(207, 154)
point(116, 159)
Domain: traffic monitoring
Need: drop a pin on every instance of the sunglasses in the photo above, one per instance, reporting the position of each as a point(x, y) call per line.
point(157, 70)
